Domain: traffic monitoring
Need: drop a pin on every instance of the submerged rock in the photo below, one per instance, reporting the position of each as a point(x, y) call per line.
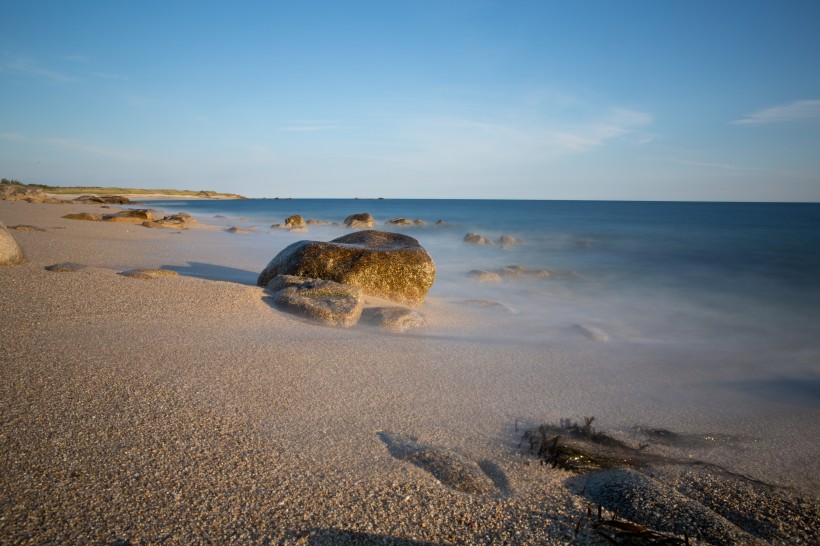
point(326, 301)
point(235, 229)
point(506, 240)
point(147, 274)
point(523, 272)
point(394, 319)
point(476, 239)
point(66, 267)
point(450, 468)
point(10, 252)
point(361, 220)
point(295, 221)
point(383, 264)
point(399, 222)
point(484, 276)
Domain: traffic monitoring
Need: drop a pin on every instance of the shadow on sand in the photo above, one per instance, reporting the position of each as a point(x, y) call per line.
point(212, 272)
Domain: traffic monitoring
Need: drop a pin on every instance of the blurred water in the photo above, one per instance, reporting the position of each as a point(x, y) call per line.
point(707, 277)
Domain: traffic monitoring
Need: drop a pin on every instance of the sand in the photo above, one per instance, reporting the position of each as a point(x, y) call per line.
point(181, 410)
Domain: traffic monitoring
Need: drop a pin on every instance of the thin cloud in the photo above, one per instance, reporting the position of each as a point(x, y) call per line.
point(797, 111)
point(21, 65)
point(114, 77)
point(729, 167)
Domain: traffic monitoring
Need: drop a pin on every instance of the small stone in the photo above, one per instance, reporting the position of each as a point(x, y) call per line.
point(66, 267)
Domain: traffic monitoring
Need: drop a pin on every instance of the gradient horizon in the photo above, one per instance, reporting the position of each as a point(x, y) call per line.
point(695, 101)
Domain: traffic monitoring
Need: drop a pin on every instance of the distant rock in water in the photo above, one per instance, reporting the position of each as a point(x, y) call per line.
point(507, 241)
point(235, 229)
point(476, 239)
point(399, 222)
point(383, 264)
point(326, 301)
point(484, 276)
point(314, 222)
point(295, 221)
point(10, 252)
point(66, 267)
point(362, 220)
point(520, 271)
point(394, 319)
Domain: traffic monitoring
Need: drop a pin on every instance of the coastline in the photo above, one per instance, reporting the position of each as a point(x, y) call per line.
point(184, 410)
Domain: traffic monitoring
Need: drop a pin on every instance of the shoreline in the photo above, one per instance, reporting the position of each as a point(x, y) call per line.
point(182, 410)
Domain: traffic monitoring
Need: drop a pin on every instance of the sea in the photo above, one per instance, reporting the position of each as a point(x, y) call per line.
point(741, 280)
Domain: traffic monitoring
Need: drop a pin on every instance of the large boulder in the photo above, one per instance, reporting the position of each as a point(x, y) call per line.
point(326, 301)
point(362, 220)
point(383, 264)
point(10, 252)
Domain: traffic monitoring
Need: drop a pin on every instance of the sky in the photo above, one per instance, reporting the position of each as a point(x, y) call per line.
point(633, 100)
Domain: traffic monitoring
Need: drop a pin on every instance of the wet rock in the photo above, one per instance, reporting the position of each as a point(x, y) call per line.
point(520, 271)
point(362, 220)
point(643, 500)
point(507, 241)
point(326, 301)
point(591, 332)
point(450, 468)
point(484, 276)
point(399, 222)
point(383, 264)
point(84, 216)
point(147, 274)
point(177, 221)
point(136, 216)
point(10, 252)
point(314, 222)
point(66, 267)
point(105, 199)
point(476, 239)
point(235, 229)
point(394, 319)
point(295, 221)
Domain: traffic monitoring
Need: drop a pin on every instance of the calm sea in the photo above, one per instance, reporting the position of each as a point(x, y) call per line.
point(743, 277)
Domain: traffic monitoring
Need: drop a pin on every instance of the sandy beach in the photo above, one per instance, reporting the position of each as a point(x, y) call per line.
point(181, 410)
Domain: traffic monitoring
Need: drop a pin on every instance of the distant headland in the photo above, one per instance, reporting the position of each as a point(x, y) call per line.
point(66, 191)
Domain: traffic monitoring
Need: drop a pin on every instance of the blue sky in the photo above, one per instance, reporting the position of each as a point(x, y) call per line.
point(645, 100)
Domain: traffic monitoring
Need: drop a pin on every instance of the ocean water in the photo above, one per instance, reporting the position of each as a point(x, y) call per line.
point(740, 280)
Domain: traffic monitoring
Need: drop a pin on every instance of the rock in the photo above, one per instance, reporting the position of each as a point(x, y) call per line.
point(450, 468)
point(484, 276)
point(326, 301)
point(419, 222)
point(26, 227)
point(178, 221)
point(66, 267)
point(476, 239)
point(10, 252)
point(506, 240)
point(383, 264)
point(591, 332)
point(363, 220)
point(105, 199)
point(314, 222)
point(394, 319)
point(84, 216)
point(399, 222)
point(147, 274)
point(440, 222)
point(295, 221)
point(235, 229)
point(521, 271)
point(643, 500)
point(136, 216)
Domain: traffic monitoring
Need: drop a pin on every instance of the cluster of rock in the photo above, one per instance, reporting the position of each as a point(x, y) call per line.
point(10, 252)
point(509, 272)
point(478, 239)
point(104, 199)
point(15, 192)
point(328, 281)
point(145, 217)
point(405, 222)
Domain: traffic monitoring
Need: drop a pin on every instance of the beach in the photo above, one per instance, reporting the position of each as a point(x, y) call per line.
point(182, 409)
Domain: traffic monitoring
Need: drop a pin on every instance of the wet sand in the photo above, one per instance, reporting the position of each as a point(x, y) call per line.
point(181, 410)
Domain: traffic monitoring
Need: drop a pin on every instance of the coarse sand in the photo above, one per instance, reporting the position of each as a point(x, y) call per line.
point(181, 410)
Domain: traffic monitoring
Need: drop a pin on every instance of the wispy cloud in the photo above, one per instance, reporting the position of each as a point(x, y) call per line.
point(801, 110)
point(15, 137)
point(22, 65)
point(93, 149)
point(728, 167)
